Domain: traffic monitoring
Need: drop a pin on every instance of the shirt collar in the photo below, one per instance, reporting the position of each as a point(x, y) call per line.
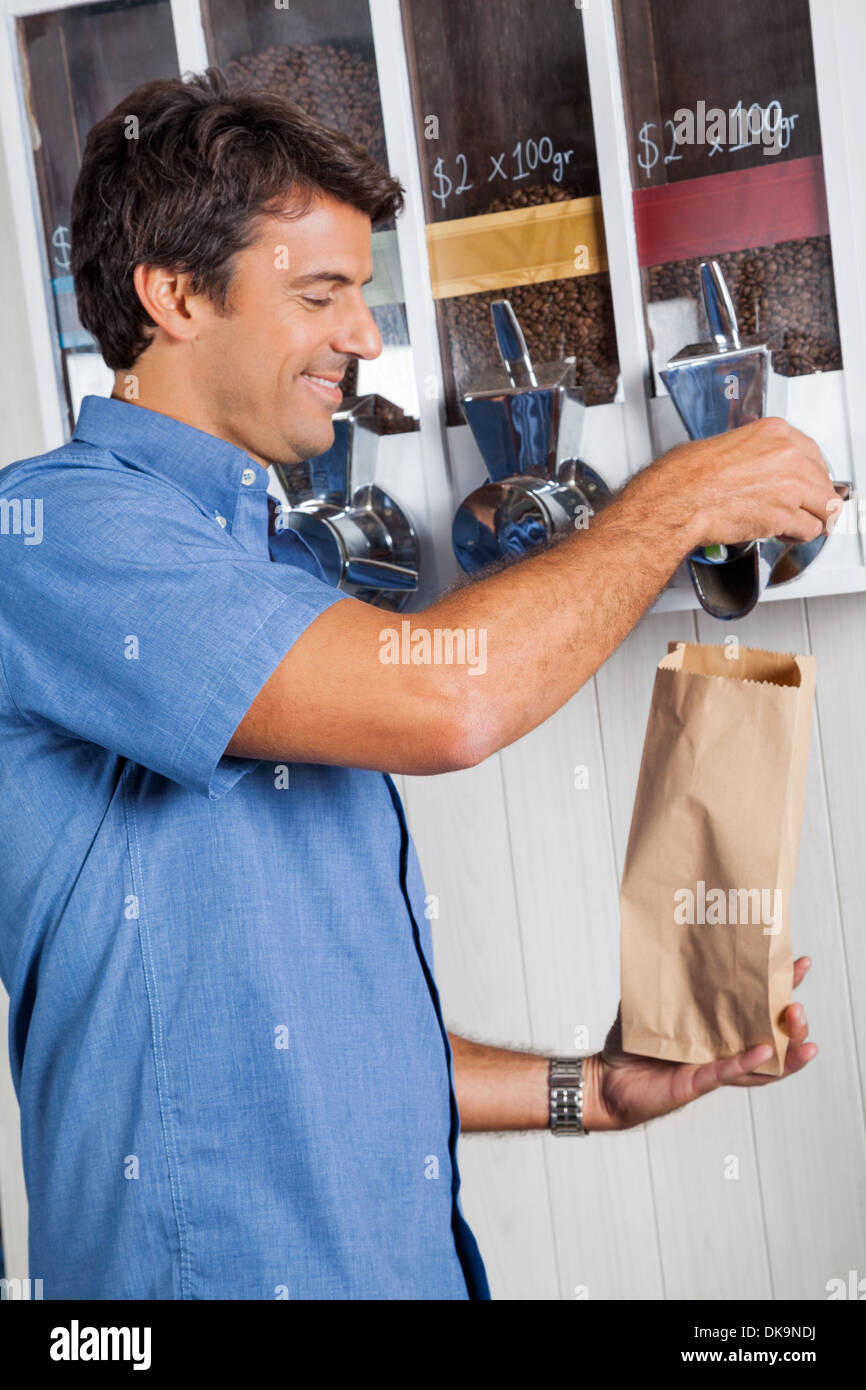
point(212, 471)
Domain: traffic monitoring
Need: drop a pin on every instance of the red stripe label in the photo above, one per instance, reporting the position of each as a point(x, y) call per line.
point(731, 212)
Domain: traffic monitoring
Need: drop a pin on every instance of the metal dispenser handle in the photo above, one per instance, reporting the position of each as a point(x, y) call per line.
point(719, 307)
point(380, 574)
point(512, 344)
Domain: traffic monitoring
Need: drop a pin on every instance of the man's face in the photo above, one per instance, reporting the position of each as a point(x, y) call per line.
point(270, 370)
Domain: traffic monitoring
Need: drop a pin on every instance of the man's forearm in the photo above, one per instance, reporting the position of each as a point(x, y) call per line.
point(551, 620)
point(501, 1089)
point(547, 623)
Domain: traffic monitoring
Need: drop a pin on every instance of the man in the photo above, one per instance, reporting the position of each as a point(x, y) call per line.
point(226, 1039)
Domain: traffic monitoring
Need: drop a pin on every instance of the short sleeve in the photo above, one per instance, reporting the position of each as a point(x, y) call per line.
point(138, 624)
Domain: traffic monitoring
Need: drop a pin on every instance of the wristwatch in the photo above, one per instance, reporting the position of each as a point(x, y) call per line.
point(566, 1095)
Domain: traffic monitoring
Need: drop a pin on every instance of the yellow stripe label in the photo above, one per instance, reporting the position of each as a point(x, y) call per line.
point(523, 247)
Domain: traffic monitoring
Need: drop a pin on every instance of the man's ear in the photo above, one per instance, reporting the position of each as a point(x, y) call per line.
point(166, 295)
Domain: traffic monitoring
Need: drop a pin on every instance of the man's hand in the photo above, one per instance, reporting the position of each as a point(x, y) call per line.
point(763, 479)
point(623, 1089)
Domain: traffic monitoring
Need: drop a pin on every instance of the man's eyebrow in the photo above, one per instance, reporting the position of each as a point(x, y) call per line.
point(335, 277)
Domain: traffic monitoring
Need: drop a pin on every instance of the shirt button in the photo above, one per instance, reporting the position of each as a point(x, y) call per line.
point(221, 521)
point(248, 476)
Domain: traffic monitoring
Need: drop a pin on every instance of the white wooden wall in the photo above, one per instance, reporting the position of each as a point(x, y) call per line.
point(20, 435)
point(526, 868)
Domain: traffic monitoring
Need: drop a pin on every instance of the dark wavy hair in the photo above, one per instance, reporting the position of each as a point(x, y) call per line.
point(182, 185)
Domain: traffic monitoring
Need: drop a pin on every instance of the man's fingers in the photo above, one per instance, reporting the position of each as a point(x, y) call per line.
point(806, 446)
point(740, 1070)
point(732, 1067)
point(806, 523)
point(713, 1074)
point(796, 1024)
point(798, 1057)
point(816, 502)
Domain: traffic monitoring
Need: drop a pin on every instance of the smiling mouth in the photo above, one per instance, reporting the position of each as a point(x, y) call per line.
point(327, 388)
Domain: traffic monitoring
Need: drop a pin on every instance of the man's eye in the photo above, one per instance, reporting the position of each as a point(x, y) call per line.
point(312, 300)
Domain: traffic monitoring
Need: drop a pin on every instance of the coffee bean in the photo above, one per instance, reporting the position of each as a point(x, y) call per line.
point(782, 293)
point(336, 84)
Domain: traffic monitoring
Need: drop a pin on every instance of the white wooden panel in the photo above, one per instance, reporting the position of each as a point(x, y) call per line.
point(460, 830)
point(189, 36)
point(837, 627)
point(21, 434)
point(20, 418)
point(564, 869)
point(794, 1218)
point(611, 143)
point(839, 46)
point(403, 162)
point(13, 1196)
point(809, 1130)
point(22, 250)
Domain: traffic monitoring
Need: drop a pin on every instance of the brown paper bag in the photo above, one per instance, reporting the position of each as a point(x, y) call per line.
point(706, 962)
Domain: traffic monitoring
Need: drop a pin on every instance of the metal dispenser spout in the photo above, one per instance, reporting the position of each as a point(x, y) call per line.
point(718, 386)
point(527, 420)
point(729, 381)
point(362, 537)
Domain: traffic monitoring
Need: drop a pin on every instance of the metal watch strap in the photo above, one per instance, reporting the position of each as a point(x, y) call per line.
point(566, 1095)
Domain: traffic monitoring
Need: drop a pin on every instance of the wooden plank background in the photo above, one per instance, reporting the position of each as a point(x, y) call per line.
point(526, 866)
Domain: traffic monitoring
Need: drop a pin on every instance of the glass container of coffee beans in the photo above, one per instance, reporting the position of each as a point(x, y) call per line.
point(511, 189)
point(77, 63)
point(725, 146)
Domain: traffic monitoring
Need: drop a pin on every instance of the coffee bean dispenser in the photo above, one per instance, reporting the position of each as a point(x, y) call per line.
point(362, 538)
point(527, 421)
point(717, 386)
point(570, 172)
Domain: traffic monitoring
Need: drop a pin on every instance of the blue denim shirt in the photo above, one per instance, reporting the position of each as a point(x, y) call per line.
point(225, 1036)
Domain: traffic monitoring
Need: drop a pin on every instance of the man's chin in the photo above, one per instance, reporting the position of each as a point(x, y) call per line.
point(314, 441)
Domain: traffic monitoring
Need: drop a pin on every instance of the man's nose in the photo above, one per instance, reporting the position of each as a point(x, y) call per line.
point(360, 336)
